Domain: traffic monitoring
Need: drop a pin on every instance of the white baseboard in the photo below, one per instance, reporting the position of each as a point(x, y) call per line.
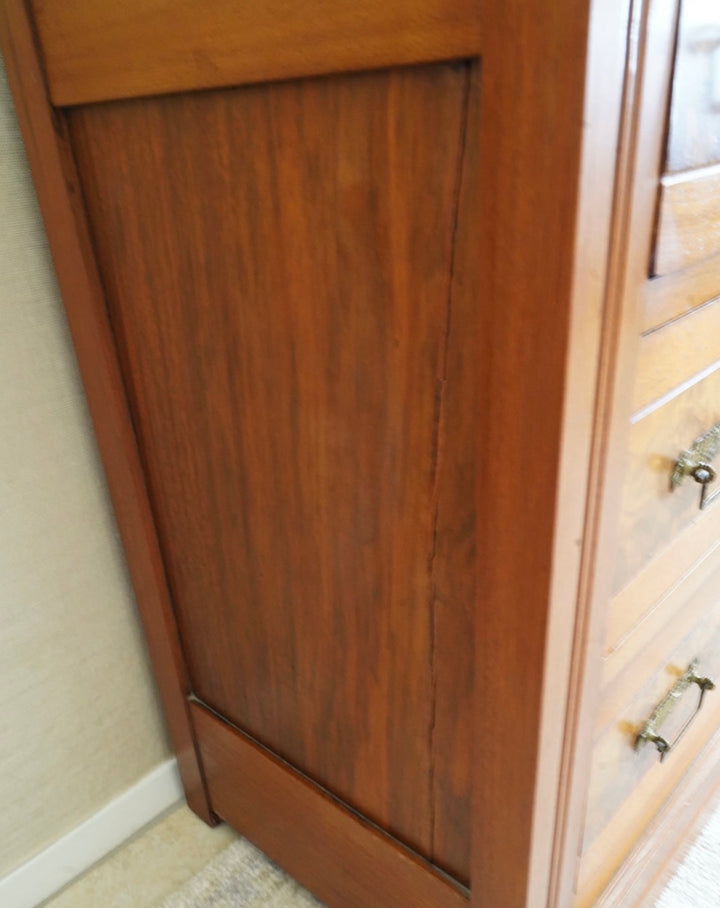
point(74, 853)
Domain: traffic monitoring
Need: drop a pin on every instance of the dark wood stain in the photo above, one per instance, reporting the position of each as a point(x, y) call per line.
point(277, 264)
point(455, 570)
point(264, 798)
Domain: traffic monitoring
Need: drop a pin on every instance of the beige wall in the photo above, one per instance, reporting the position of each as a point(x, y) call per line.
point(80, 721)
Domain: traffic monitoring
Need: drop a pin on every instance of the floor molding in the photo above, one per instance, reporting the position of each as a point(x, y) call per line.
point(86, 844)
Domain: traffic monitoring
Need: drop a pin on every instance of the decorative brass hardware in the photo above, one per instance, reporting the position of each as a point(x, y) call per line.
point(695, 462)
point(651, 729)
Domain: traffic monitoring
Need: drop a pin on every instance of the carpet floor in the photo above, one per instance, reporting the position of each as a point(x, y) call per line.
point(696, 882)
point(242, 877)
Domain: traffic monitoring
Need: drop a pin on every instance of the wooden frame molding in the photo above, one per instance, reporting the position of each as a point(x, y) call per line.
point(542, 179)
point(58, 190)
point(650, 23)
point(550, 250)
point(266, 799)
point(115, 56)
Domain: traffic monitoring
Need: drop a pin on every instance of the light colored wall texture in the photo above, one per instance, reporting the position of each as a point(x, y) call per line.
point(79, 716)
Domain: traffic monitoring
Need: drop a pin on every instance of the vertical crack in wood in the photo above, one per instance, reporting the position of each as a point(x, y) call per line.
point(437, 440)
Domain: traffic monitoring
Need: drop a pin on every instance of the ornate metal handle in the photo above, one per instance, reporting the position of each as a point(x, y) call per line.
point(651, 729)
point(695, 462)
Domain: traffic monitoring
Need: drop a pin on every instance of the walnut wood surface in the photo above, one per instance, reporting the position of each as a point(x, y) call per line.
point(660, 577)
point(625, 795)
point(688, 219)
point(676, 294)
point(58, 190)
point(617, 769)
point(344, 860)
point(187, 284)
point(647, 77)
point(655, 856)
point(534, 67)
point(97, 51)
point(572, 650)
point(455, 543)
point(614, 844)
point(280, 291)
point(676, 355)
point(629, 666)
point(651, 835)
point(652, 516)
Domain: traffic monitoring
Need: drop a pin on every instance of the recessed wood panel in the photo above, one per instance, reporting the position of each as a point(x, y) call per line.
point(277, 262)
point(97, 51)
point(454, 558)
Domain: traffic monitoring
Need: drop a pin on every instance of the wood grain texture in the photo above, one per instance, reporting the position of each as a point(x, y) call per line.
point(532, 123)
point(676, 356)
point(646, 60)
point(656, 857)
point(279, 289)
point(454, 559)
point(663, 838)
point(688, 228)
point(606, 854)
point(345, 861)
point(660, 576)
point(676, 294)
point(651, 515)
point(628, 668)
point(58, 190)
point(614, 841)
point(97, 51)
point(571, 643)
point(617, 769)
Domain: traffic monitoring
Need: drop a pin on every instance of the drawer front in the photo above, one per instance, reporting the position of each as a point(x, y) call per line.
point(676, 355)
point(629, 786)
point(663, 608)
point(652, 515)
point(688, 220)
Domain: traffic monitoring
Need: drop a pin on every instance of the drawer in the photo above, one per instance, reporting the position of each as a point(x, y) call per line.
point(679, 293)
point(628, 664)
point(628, 787)
point(675, 356)
point(688, 228)
point(652, 516)
point(688, 217)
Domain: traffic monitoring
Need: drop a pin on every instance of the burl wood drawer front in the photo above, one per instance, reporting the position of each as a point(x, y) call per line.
point(652, 515)
point(629, 786)
point(688, 230)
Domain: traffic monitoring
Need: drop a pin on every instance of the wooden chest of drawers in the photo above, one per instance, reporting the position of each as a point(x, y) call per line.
point(662, 611)
point(394, 319)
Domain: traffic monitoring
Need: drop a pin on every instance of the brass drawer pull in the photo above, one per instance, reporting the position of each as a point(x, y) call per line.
point(651, 729)
point(695, 462)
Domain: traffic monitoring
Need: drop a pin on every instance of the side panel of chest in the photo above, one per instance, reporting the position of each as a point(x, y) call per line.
point(278, 264)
